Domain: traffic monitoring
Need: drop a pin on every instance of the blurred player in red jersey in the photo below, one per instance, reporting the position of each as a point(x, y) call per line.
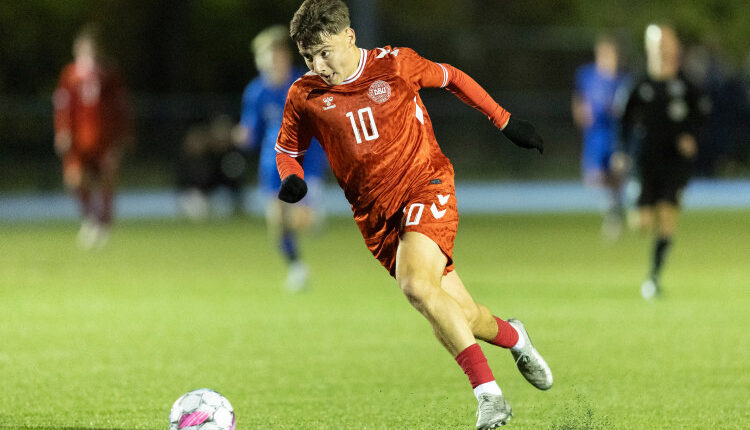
point(92, 127)
point(365, 110)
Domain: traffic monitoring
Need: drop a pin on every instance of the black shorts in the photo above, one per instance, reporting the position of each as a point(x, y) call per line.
point(662, 185)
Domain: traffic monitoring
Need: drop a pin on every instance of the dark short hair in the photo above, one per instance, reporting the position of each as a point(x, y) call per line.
point(316, 19)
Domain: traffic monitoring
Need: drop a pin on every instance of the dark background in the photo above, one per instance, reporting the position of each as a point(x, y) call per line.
point(186, 61)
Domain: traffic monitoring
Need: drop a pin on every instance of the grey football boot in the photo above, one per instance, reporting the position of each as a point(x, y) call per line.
point(493, 411)
point(529, 361)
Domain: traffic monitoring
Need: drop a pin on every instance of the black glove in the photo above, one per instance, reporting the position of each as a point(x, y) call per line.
point(523, 134)
point(293, 188)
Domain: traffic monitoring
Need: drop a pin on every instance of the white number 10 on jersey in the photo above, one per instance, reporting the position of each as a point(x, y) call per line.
point(372, 132)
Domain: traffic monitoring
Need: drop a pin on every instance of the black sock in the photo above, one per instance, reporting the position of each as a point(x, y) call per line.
point(660, 251)
point(288, 245)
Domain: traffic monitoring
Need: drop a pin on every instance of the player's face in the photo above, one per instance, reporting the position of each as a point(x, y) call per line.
point(606, 57)
point(334, 59)
point(670, 47)
point(663, 51)
point(84, 51)
point(275, 63)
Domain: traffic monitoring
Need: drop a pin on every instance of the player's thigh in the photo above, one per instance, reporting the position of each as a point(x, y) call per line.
point(274, 213)
point(668, 215)
point(73, 171)
point(419, 260)
point(284, 217)
point(302, 217)
point(646, 217)
point(315, 191)
point(310, 211)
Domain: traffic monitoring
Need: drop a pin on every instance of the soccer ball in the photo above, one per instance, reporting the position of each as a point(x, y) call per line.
point(201, 409)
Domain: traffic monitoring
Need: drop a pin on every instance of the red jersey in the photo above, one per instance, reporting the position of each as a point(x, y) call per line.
point(93, 106)
point(374, 127)
point(381, 146)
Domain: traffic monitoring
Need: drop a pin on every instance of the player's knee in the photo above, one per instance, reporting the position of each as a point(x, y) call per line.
point(72, 178)
point(417, 290)
point(666, 229)
point(645, 221)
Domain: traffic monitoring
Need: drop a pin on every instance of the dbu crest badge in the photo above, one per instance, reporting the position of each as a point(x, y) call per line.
point(380, 92)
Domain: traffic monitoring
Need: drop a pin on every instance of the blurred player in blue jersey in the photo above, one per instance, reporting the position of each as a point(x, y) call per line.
point(262, 109)
point(596, 87)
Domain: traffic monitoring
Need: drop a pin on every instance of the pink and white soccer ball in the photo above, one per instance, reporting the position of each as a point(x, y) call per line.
point(202, 409)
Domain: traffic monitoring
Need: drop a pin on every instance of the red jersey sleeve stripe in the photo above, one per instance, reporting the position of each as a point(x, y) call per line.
point(288, 152)
point(445, 75)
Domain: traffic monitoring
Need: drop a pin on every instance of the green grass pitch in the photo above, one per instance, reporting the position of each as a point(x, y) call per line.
point(109, 339)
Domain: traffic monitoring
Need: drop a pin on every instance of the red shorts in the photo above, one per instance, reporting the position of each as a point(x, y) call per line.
point(431, 210)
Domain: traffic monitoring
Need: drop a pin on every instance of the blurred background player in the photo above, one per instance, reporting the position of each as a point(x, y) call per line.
point(92, 127)
point(262, 110)
point(211, 163)
point(659, 128)
point(596, 87)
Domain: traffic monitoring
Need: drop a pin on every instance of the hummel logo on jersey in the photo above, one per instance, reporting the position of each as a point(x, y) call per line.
point(443, 200)
point(415, 211)
point(328, 100)
point(383, 52)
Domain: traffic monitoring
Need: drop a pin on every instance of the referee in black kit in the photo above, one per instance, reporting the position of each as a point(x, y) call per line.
point(660, 123)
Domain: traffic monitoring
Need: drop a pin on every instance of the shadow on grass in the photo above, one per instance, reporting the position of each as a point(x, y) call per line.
point(581, 416)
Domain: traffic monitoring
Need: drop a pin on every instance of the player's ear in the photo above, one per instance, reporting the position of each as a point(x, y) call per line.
point(351, 37)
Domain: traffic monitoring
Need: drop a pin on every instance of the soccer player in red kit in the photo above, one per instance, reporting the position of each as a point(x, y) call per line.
point(92, 126)
point(365, 110)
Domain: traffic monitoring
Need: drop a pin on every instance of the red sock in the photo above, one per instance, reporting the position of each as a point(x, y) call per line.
point(474, 364)
point(507, 336)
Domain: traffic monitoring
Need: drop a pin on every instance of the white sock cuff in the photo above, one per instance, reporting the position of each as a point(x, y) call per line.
point(521, 340)
point(488, 387)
